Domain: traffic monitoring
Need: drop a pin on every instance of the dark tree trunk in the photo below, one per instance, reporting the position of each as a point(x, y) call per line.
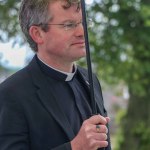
point(136, 124)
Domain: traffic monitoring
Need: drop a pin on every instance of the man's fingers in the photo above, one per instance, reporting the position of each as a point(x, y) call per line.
point(100, 137)
point(93, 133)
point(97, 119)
point(101, 129)
point(100, 144)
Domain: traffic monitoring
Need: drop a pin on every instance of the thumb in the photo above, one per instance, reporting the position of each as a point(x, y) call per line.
point(107, 119)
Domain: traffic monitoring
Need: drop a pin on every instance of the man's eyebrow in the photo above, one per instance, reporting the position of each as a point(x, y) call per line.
point(68, 20)
point(71, 20)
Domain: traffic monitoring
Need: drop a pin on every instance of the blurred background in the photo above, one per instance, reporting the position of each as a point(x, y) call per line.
point(120, 52)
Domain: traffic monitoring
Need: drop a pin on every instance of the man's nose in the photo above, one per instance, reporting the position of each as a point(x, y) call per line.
point(79, 31)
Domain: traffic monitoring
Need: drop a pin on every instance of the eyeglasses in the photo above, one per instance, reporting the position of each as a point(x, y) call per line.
point(70, 25)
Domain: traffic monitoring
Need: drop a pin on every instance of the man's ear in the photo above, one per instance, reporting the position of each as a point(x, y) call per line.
point(36, 34)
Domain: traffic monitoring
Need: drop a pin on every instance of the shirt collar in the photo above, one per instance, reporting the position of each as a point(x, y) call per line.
point(62, 75)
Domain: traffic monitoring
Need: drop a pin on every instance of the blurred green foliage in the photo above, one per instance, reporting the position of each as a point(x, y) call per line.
point(121, 51)
point(119, 138)
point(9, 19)
point(120, 48)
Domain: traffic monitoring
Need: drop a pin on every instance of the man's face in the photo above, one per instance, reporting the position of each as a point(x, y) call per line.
point(59, 44)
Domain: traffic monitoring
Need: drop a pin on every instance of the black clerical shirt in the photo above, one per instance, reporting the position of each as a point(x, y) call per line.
point(72, 95)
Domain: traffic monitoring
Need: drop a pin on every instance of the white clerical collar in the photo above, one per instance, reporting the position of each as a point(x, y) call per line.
point(69, 76)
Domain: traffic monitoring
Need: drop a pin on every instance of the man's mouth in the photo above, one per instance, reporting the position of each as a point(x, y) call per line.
point(78, 43)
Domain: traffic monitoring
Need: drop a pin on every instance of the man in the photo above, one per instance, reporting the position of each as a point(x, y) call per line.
point(47, 104)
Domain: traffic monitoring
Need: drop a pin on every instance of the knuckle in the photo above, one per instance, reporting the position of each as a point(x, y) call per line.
point(105, 144)
point(103, 136)
point(102, 118)
point(88, 137)
point(86, 128)
point(104, 129)
point(102, 144)
point(84, 123)
point(91, 143)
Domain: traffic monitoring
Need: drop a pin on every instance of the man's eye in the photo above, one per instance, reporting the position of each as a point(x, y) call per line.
point(69, 25)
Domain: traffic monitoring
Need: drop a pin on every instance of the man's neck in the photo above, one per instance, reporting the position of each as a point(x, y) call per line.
point(58, 65)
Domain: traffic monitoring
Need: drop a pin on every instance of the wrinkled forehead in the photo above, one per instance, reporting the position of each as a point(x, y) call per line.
point(61, 10)
point(66, 4)
point(68, 1)
point(73, 1)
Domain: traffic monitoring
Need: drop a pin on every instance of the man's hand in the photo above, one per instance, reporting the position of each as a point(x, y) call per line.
point(89, 137)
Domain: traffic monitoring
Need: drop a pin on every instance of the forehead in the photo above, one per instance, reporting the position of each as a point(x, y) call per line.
point(57, 11)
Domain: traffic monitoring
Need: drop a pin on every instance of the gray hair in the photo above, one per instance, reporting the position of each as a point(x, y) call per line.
point(35, 12)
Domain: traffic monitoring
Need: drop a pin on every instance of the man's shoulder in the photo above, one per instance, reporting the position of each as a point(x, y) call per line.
point(18, 79)
point(15, 79)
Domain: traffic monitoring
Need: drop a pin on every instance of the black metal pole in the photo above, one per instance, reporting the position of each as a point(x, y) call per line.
point(88, 58)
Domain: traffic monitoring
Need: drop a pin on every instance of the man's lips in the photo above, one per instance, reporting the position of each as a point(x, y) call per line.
point(78, 43)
